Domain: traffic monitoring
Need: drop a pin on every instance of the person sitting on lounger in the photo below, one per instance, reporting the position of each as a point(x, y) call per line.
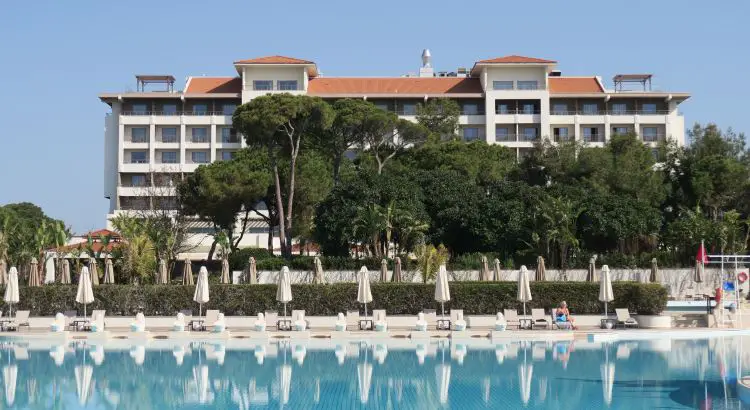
point(562, 315)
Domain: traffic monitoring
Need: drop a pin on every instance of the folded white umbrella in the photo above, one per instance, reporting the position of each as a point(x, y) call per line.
point(524, 291)
point(65, 277)
point(85, 294)
point(364, 295)
point(94, 271)
point(498, 272)
point(251, 272)
point(605, 288)
point(284, 288)
point(364, 376)
point(109, 272)
point(11, 290)
point(318, 278)
point(83, 383)
point(443, 377)
point(201, 290)
point(384, 270)
point(397, 270)
point(187, 272)
point(442, 292)
point(10, 375)
point(486, 275)
point(163, 278)
point(225, 279)
point(34, 273)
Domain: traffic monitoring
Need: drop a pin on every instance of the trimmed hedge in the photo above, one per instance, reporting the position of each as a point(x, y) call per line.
point(396, 298)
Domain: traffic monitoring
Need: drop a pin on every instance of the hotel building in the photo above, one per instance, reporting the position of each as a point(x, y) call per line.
point(152, 138)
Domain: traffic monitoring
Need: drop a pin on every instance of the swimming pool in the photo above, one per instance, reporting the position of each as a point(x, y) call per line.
point(400, 374)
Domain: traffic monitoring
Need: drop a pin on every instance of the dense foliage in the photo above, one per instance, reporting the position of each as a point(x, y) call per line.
point(26, 232)
point(398, 298)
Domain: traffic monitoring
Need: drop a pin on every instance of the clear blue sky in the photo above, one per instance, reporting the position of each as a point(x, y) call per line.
point(56, 56)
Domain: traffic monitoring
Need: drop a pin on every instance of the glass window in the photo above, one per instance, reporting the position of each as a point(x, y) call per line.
point(140, 109)
point(619, 130)
point(169, 134)
point(650, 134)
point(561, 134)
point(287, 85)
point(649, 108)
point(228, 109)
point(502, 108)
point(590, 109)
point(528, 85)
point(138, 135)
point(199, 157)
point(169, 109)
point(409, 109)
point(502, 85)
point(529, 133)
point(169, 157)
point(138, 180)
point(227, 155)
point(262, 85)
point(470, 109)
point(528, 108)
point(139, 157)
point(200, 109)
point(619, 109)
point(228, 135)
point(501, 134)
point(383, 106)
point(559, 108)
point(200, 134)
point(471, 133)
point(590, 134)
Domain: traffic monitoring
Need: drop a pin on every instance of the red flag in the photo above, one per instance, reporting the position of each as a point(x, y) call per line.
point(701, 255)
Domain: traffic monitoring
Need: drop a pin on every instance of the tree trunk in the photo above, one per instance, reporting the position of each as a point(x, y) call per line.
point(212, 250)
point(336, 168)
point(290, 200)
point(236, 243)
point(279, 206)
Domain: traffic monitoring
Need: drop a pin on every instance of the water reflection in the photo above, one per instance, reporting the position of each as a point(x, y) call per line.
point(695, 373)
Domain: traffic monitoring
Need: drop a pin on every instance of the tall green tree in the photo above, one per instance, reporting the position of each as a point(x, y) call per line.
point(440, 117)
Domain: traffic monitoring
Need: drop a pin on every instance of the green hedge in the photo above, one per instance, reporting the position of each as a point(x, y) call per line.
point(397, 298)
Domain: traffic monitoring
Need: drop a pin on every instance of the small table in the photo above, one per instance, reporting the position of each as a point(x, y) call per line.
point(443, 324)
point(3, 323)
point(365, 324)
point(613, 323)
point(284, 324)
point(192, 324)
point(80, 324)
point(525, 323)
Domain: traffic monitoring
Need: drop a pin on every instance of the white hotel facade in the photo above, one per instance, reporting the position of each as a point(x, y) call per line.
point(153, 138)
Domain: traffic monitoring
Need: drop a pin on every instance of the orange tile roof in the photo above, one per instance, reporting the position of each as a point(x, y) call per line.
point(96, 246)
point(209, 85)
point(102, 232)
point(396, 85)
point(514, 59)
point(274, 60)
point(572, 85)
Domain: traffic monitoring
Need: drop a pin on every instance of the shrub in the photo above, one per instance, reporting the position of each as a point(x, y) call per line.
point(396, 298)
point(238, 259)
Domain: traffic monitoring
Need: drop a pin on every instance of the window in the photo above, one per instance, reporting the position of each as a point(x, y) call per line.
point(528, 108)
point(228, 109)
point(591, 134)
point(650, 134)
point(502, 85)
point(383, 106)
point(228, 135)
point(227, 155)
point(471, 133)
point(502, 108)
point(138, 180)
point(408, 109)
point(619, 130)
point(200, 134)
point(649, 108)
point(140, 109)
point(169, 134)
point(200, 109)
point(529, 134)
point(619, 109)
point(501, 134)
point(138, 135)
point(470, 109)
point(559, 109)
point(169, 157)
point(287, 85)
point(528, 85)
point(199, 157)
point(590, 109)
point(169, 109)
point(138, 157)
point(561, 134)
point(262, 85)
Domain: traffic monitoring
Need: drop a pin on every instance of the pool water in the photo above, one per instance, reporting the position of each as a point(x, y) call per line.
point(660, 373)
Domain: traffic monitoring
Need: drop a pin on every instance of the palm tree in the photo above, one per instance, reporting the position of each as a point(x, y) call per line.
point(368, 225)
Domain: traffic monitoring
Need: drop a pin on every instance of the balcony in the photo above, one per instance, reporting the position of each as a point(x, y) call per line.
point(593, 138)
point(610, 112)
point(564, 138)
point(175, 113)
point(478, 111)
point(521, 112)
point(654, 137)
point(506, 138)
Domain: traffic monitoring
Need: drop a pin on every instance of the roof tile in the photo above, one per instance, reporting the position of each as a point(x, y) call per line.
point(274, 60)
point(571, 85)
point(396, 85)
point(209, 85)
point(514, 59)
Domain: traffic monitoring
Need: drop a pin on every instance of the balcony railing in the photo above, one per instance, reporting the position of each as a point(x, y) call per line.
point(564, 138)
point(231, 140)
point(593, 138)
point(506, 137)
point(199, 140)
point(511, 112)
point(138, 140)
point(654, 137)
point(478, 111)
point(171, 113)
point(609, 112)
point(138, 161)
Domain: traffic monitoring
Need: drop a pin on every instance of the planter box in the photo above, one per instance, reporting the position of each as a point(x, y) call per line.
point(654, 322)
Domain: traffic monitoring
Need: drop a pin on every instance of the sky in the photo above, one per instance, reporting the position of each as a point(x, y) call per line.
point(57, 56)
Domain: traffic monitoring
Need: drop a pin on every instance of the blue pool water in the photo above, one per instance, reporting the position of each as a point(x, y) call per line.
point(399, 374)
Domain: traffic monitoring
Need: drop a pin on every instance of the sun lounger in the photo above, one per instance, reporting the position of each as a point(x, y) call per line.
point(379, 320)
point(624, 319)
point(430, 316)
point(21, 319)
point(352, 319)
point(211, 317)
point(298, 320)
point(539, 319)
point(511, 317)
point(457, 320)
point(272, 317)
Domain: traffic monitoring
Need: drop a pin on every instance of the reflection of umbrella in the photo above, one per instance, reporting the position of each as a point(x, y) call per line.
point(65, 277)
point(318, 278)
point(364, 375)
point(138, 353)
point(654, 271)
point(442, 292)
point(187, 272)
point(97, 354)
point(201, 290)
point(225, 271)
point(524, 292)
point(485, 270)
point(397, 270)
point(605, 288)
point(109, 271)
point(3, 272)
point(251, 274)
point(284, 288)
point(384, 271)
point(497, 269)
point(34, 273)
point(525, 372)
point(85, 294)
point(11, 290)
point(443, 376)
point(57, 353)
point(541, 271)
point(200, 376)
point(363, 288)
point(10, 374)
point(94, 272)
point(179, 354)
point(608, 377)
point(285, 383)
point(83, 383)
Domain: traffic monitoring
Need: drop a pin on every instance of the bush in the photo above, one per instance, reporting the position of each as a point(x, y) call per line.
point(238, 259)
point(397, 298)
